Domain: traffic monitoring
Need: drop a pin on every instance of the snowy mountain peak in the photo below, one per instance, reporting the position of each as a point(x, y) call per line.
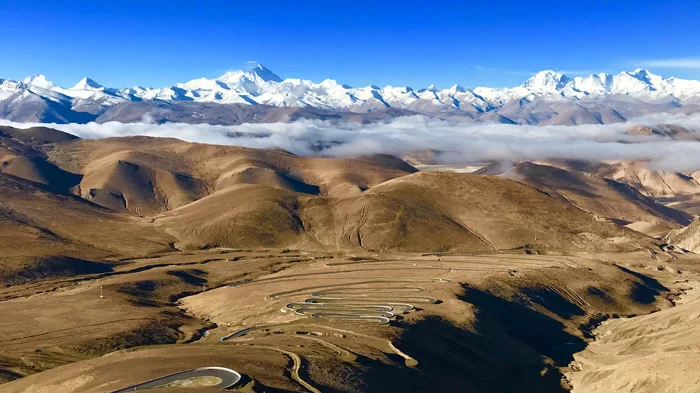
point(87, 84)
point(258, 75)
point(259, 85)
point(264, 74)
point(229, 77)
point(641, 71)
point(646, 76)
point(38, 80)
point(546, 81)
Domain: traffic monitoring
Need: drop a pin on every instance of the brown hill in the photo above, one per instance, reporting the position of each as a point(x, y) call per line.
point(649, 181)
point(505, 213)
point(21, 156)
point(38, 223)
point(678, 190)
point(530, 274)
point(687, 238)
point(605, 198)
point(671, 131)
point(120, 183)
point(435, 211)
point(229, 196)
point(150, 175)
point(36, 135)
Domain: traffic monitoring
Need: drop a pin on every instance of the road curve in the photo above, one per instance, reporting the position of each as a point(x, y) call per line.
point(355, 311)
point(360, 303)
point(227, 376)
point(239, 333)
point(381, 320)
point(355, 307)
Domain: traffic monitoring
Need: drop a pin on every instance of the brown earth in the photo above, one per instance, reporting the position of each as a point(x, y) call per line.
point(503, 322)
point(125, 259)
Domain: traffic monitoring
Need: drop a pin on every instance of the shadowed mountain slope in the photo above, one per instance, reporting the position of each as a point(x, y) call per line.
point(426, 210)
point(208, 195)
point(150, 175)
point(38, 223)
point(603, 197)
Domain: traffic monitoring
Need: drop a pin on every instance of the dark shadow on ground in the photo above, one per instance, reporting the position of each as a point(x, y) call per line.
point(55, 266)
point(552, 301)
point(453, 359)
point(646, 289)
point(533, 329)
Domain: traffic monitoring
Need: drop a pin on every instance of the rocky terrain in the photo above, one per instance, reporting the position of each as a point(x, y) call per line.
point(127, 259)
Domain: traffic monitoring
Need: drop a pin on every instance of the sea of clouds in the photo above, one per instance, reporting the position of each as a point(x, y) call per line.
point(460, 142)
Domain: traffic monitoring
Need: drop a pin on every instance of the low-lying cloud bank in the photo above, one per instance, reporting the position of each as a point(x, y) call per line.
point(462, 142)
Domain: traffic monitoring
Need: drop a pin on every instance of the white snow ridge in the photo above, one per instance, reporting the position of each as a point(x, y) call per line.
point(596, 98)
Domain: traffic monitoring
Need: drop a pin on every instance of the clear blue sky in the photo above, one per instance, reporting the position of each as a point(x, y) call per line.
point(494, 43)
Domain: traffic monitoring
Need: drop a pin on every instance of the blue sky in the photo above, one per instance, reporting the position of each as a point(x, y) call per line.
point(480, 43)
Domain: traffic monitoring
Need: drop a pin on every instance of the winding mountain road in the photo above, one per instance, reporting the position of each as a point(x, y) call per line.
point(227, 378)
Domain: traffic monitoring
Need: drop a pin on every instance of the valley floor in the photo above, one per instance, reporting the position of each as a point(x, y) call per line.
point(293, 321)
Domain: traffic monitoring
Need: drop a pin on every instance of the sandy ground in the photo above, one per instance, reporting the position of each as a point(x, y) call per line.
point(263, 301)
point(484, 332)
point(655, 353)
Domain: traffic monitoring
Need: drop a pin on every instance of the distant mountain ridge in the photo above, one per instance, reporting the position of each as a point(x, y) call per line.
point(547, 97)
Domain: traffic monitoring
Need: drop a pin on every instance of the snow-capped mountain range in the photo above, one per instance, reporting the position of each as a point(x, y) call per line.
point(544, 96)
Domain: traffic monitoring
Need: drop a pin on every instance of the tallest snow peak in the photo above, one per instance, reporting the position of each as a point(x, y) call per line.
point(265, 74)
point(256, 75)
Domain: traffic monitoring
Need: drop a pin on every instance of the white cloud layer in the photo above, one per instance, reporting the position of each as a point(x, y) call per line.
point(461, 142)
point(685, 62)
